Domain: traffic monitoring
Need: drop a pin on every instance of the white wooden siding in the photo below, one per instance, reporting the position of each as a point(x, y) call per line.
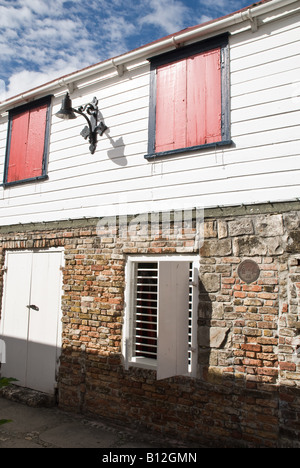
point(262, 165)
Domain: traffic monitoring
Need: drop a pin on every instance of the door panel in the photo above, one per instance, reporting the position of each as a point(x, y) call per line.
point(15, 315)
point(32, 343)
point(42, 333)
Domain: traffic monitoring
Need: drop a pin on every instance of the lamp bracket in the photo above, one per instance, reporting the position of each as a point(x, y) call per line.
point(90, 132)
point(91, 114)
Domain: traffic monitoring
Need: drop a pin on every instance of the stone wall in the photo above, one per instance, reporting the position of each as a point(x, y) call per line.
point(246, 392)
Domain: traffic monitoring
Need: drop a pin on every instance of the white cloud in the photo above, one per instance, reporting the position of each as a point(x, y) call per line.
point(38, 43)
point(115, 32)
point(205, 19)
point(41, 40)
point(24, 80)
point(116, 29)
point(220, 3)
point(169, 15)
point(43, 7)
point(11, 17)
point(2, 90)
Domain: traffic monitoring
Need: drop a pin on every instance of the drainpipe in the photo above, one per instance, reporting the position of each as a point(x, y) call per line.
point(118, 63)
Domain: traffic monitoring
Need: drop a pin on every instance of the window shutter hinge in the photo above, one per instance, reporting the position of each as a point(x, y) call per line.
point(222, 58)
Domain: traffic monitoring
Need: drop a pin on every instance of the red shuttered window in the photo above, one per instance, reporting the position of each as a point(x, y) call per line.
point(189, 104)
point(27, 146)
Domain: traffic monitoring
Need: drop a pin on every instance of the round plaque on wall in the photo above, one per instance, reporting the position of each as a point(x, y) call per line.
point(249, 271)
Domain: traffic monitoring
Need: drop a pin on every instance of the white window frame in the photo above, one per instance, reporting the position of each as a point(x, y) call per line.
point(161, 365)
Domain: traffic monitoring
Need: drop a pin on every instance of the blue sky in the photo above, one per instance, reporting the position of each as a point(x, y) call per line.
point(41, 40)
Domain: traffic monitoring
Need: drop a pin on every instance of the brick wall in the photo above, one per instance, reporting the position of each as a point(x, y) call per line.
point(246, 392)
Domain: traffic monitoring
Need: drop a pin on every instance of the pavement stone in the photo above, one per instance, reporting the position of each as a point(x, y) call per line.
point(36, 426)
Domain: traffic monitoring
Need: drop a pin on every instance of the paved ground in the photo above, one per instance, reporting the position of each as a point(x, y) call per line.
point(42, 427)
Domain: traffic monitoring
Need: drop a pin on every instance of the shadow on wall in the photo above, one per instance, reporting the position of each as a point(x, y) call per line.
point(116, 154)
point(34, 365)
point(214, 338)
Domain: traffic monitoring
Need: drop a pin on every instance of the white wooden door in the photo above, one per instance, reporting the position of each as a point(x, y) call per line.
point(30, 322)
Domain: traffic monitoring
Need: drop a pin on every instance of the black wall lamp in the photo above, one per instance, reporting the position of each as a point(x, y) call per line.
point(94, 128)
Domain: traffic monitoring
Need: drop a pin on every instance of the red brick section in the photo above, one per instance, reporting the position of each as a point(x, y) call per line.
point(246, 393)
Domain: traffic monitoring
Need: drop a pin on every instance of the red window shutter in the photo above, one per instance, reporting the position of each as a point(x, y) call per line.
point(27, 141)
point(188, 102)
point(18, 141)
point(204, 99)
point(171, 106)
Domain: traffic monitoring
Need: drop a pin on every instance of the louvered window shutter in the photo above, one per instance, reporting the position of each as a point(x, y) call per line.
point(173, 330)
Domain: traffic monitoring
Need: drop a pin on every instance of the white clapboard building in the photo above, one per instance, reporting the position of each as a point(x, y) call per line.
point(199, 130)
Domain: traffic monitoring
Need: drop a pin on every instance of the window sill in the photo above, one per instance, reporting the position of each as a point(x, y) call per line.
point(190, 149)
point(145, 363)
point(25, 181)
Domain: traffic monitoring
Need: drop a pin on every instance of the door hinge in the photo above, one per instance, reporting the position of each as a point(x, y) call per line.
point(222, 57)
